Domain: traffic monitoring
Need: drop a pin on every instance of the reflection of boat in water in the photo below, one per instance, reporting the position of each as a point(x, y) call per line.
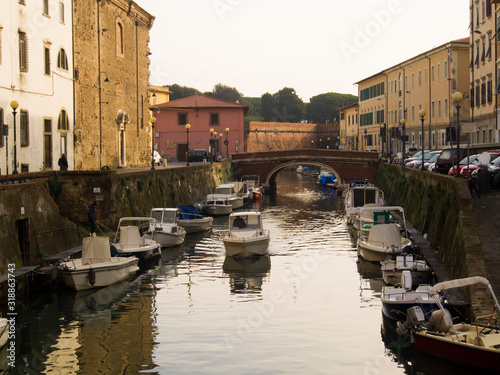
point(368, 270)
point(247, 274)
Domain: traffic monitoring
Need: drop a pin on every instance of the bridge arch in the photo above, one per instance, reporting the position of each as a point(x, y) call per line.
point(271, 176)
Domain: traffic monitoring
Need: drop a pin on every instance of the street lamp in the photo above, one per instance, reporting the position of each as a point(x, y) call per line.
point(457, 99)
point(211, 146)
point(152, 120)
point(5, 131)
point(187, 141)
point(422, 114)
point(14, 105)
point(382, 135)
point(403, 123)
point(226, 142)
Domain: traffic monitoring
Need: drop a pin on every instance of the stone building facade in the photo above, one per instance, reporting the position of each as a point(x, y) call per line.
point(111, 59)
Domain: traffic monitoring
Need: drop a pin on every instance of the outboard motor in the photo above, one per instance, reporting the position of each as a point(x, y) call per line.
point(414, 318)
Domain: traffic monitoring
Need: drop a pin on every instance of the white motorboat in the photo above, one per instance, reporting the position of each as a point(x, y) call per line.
point(253, 185)
point(359, 193)
point(96, 268)
point(381, 238)
point(392, 270)
point(4, 332)
point(396, 300)
point(191, 219)
point(246, 235)
point(128, 240)
point(216, 206)
point(475, 345)
point(229, 191)
point(164, 229)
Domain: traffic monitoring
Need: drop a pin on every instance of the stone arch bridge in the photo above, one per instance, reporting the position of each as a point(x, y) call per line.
point(345, 165)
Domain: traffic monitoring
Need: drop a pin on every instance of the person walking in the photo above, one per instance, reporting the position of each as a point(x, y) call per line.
point(63, 163)
point(92, 217)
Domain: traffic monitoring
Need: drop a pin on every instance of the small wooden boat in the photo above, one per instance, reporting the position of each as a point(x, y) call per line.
point(475, 345)
point(216, 206)
point(164, 229)
point(128, 240)
point(246, 235)
point(96, 268)
point(392, 270)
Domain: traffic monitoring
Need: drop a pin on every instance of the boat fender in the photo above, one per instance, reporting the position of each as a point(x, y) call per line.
point(114, 251)
point(92, 276)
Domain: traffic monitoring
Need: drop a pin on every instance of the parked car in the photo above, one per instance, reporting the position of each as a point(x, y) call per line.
point(417, 163)
point(474, 163)
point(430, 164)
point(198, 155)
point(448, 157)
point(493, 171)
point(416, 156)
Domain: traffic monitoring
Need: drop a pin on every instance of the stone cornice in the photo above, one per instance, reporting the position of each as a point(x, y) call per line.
point(134, 11)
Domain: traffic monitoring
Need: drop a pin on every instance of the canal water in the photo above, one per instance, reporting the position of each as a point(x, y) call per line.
point(309, 307)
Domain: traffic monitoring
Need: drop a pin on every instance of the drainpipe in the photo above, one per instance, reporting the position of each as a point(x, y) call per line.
point(137, 71)
point(386, 114)
point(99, 67)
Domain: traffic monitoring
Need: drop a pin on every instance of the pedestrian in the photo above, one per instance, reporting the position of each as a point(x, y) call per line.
point(92, 216)
point(63, 163)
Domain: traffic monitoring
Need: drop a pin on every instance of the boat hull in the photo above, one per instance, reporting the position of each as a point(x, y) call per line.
point(79, 276)
point(196, 225)
point(374, 253)
point(217, 210)
point(246, 247)
point(148, 250)
point(457, 352)
point(168, 239)
point(396, 302)
point(4, 332)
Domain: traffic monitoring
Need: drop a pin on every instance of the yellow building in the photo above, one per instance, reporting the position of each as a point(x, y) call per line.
point(349, 127)
point(426, 81)
point(483, 72)
point(159, 95)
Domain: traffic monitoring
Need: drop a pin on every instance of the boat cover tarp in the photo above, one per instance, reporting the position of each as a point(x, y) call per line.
point(326, 179)
point(130, 237)
point(95, 247)
point(387, 234)
point(188, 212)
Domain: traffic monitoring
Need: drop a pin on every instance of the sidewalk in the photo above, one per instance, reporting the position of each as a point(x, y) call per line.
point(487, 213)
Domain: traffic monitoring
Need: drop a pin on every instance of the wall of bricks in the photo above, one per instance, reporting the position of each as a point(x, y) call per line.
point(274, 136)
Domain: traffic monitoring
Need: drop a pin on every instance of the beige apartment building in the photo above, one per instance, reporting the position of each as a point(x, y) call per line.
point(349, 127)
point(391, 100)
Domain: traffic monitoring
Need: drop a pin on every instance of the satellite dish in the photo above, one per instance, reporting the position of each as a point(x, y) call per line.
point(484, 158)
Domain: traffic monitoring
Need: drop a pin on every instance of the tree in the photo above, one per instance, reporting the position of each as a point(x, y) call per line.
point(283, 106)
point(324, 108)
point(224, 92)
point(179, 92)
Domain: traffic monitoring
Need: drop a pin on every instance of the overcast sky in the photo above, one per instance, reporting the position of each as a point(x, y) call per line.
point(313, 46)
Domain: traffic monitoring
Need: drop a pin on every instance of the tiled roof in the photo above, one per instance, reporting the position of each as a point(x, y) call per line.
point(200, 101)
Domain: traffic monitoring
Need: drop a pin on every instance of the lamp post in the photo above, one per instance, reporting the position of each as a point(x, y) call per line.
point(422, 114)
point(152, 120)
point(211, 146)
point(403, 123)
point(382, 135)
point(457, 99)
point(187, 141)
point(226, 142)
point(5, 131)
point(14, 105)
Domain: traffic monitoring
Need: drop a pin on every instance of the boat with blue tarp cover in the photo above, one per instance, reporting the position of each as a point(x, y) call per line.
point(192, 220)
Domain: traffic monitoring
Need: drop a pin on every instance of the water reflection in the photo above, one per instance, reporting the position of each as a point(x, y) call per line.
point(247, 275)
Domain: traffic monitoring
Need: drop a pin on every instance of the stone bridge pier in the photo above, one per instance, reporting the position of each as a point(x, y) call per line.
point(345, 165)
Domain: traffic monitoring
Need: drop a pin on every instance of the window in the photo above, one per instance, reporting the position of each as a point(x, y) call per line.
point(214, 118)
point(488, 8)
point(420, 78)
point(446, 107)
point(439, 108)
point(47, 143)
point(46, 57)
point(182, 119)
point(478, 97)
point(120, 48)
point(63, 121)
point(445, 67)
point(489, 91)
point(62, 59)
point(61, 12)
point(46, 7)
point(483, 93)
point(432, 73)
point(23, 52)
point(413, 80)
point(24, 128)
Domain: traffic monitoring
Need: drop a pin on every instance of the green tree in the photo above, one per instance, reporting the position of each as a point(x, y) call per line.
point(283, 106)
point(179, 92)
point(224, 92)
point(268, 104)
point(324, 108)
